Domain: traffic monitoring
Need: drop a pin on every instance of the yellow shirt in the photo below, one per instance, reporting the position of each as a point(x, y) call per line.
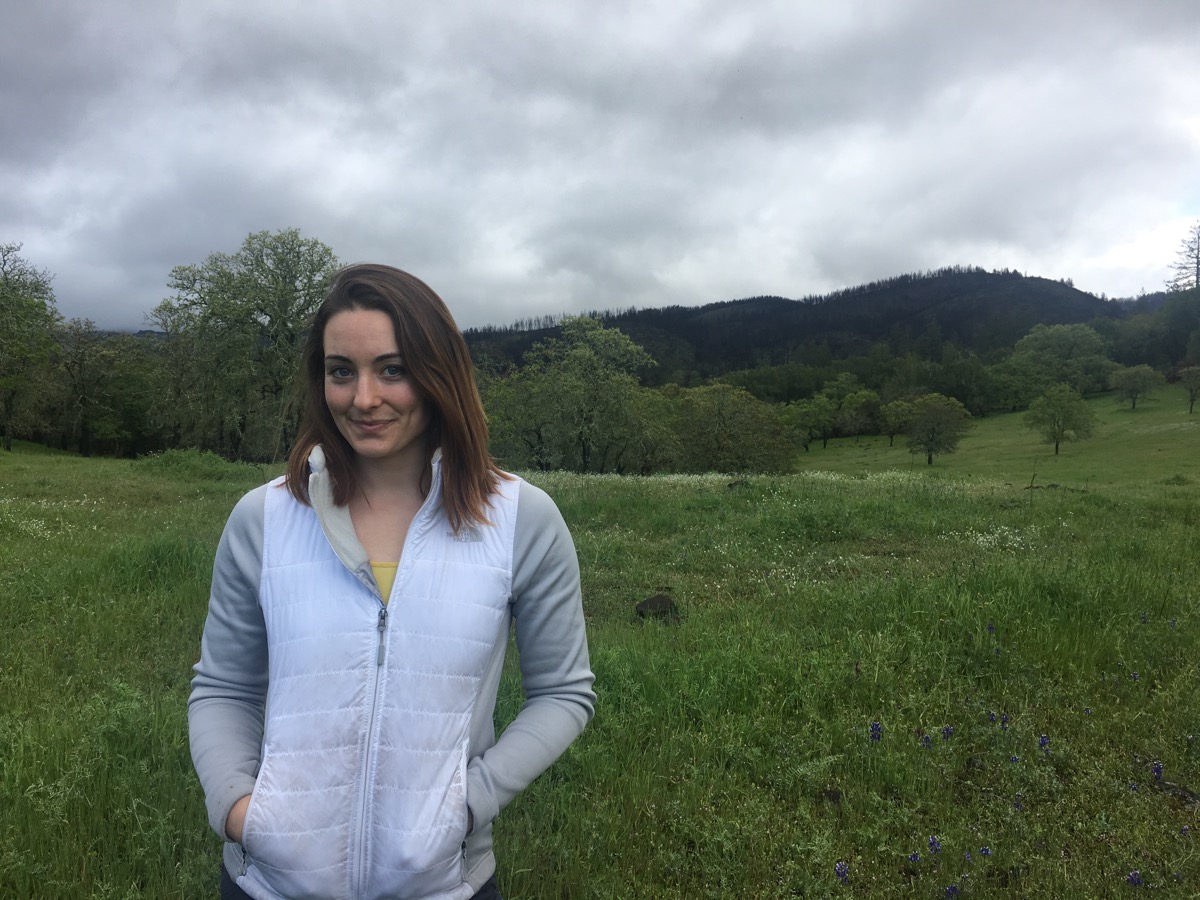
point(385, 575)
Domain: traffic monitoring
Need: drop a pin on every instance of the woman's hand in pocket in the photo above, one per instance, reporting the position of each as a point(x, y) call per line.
point(236, 819)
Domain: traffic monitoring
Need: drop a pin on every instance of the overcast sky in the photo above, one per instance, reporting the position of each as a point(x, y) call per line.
point(544, 157)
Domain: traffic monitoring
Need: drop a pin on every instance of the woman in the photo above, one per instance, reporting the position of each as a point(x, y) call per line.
point(341, 711)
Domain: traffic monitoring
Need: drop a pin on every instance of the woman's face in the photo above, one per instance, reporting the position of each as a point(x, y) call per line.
point(373, 402)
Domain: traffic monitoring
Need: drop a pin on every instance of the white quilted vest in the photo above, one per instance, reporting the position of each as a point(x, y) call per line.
point(362, 789)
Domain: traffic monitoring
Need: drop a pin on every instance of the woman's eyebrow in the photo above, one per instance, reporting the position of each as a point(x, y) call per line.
point(334, 357)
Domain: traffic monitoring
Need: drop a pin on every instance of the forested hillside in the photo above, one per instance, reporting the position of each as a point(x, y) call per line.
point(735, 386)
point(982, 313)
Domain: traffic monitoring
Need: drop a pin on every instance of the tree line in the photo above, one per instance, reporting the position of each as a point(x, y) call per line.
point(215, 372)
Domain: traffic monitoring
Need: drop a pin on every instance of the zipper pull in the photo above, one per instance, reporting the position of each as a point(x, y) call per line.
point(382, 627)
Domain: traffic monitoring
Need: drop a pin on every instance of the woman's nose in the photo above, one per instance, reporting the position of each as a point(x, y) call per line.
point(366, 393)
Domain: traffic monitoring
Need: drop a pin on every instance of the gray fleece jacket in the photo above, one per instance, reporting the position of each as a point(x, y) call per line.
point(228, 709)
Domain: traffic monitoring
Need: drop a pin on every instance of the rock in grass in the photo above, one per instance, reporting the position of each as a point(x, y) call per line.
point(660, 607)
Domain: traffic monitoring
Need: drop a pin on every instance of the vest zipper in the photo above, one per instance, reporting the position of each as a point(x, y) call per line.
point(364, 790)
point(382, 629)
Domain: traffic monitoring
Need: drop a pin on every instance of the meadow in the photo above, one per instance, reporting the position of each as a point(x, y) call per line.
point(974, 679)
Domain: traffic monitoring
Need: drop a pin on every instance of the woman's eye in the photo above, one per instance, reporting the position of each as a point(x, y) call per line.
point(338, 372)
point(394, 371)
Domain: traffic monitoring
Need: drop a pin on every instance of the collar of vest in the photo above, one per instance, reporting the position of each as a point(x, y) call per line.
point(335, 520)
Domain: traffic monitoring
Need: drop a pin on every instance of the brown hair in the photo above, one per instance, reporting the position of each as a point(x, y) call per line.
point(439, 365)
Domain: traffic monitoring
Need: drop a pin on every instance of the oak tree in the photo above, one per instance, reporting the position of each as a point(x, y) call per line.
point(1060, 415)
point(1134, 383)
point(28, 318)
point(234, 329)
point(938, 424)
point(1190, 379)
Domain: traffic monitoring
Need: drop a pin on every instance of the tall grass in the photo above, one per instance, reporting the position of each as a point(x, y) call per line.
point(954, 613)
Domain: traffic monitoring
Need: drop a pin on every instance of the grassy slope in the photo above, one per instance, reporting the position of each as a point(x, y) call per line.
point(1157, 441)
point(730, 755)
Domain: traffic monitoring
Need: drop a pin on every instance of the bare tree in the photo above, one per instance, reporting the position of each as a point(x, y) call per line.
point(1187, 262)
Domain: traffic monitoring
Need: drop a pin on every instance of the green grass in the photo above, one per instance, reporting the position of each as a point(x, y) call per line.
point(730, 753)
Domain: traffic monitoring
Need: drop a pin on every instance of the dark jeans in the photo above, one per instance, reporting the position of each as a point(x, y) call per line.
point(230, 890)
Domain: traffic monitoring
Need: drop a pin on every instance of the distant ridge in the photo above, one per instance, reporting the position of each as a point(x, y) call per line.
point(980, 312)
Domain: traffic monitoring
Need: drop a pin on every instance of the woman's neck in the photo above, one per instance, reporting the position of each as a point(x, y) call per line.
point(388, 480)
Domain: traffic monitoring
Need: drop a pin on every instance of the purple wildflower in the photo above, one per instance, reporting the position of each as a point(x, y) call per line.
point(985, 850)
point(1157, 768)
point(1133, 786)
point(1017, 804)
point(1014, 759)
point(935, 846)
point(992, 718)
point(926, 742)
point(947, 732)
point(1004, 721)
point(952, 890)
point(1133, 675)
point(1134, 878)
point(914, 857)
point(1044, 743)
point(991, 627)
point(1087, 710)
point(842, 872)
point(876, 731)
point(967, 855)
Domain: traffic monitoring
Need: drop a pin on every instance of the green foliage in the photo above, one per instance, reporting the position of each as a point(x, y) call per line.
point(571, 406)
point(811, 420)
point(720, 428)
point(937, 425)
point(1177, 329)
point(27, 321)
point(1074, 355)
point(858, 413)
point(1189, 378)
point(234, 331)
point(1059, 415)
point(200, 465)
point(100, 397)
point(576, 405)
point(1134, 383)
point(894, 418)
point(778, 384)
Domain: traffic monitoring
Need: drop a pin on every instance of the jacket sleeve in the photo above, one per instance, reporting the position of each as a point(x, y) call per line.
point(555, 671)
point(225, 709)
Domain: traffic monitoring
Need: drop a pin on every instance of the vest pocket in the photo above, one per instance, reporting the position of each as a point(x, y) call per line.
point(422, 855)
point(288, 847)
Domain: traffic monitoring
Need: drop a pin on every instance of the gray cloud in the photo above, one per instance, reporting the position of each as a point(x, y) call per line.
point(558, 157)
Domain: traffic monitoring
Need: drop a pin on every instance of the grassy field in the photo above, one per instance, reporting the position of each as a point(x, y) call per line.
point(936, 677)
